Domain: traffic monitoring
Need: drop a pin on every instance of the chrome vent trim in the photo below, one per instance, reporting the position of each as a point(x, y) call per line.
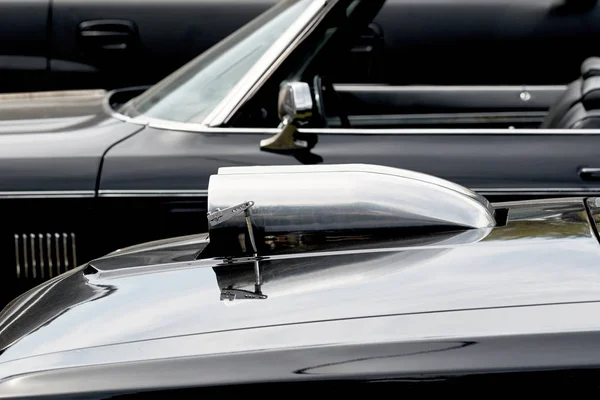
point(44, 255)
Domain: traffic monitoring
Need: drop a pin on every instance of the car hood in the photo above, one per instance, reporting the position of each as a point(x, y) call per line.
point(546, 253)
point(54, 141)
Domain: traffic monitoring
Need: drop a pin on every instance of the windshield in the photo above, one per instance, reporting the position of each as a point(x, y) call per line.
point(193, 91)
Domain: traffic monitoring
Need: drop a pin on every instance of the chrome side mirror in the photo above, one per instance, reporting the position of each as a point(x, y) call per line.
point(295, 109)
point(295, 103)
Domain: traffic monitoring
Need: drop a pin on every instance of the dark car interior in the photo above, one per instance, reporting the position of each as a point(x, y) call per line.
point(354, 84)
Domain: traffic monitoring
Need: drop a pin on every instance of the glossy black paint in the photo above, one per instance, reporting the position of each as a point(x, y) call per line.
point(23, 50)
point(521, 298)
point(167, 159)
point(56, 142)
point(51, 151)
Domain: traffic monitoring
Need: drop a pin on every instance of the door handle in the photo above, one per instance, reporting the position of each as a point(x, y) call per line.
point(589, 174)
point(107, 34)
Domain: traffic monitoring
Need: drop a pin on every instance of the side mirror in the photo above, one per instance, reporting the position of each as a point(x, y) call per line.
point(295, 109)
point(295, 103)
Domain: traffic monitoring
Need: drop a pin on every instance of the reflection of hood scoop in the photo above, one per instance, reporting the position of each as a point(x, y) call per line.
point(240, 294)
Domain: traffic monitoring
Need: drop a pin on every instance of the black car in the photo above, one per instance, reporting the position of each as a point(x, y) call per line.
point(90, 44)
point(83, 173)
point(66, 44)
point(324, 277)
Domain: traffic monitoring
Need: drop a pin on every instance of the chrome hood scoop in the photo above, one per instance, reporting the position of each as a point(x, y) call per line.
point(281, 208)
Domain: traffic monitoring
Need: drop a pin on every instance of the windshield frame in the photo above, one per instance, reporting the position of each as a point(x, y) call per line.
point(252, 80)
point(268, 63)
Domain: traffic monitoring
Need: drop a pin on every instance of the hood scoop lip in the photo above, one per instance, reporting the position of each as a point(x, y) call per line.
point(271, 210)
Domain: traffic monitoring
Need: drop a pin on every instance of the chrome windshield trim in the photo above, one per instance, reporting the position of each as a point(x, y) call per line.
point(46, 194)
point(268, 63)
point(154, 193)
point(114, 113)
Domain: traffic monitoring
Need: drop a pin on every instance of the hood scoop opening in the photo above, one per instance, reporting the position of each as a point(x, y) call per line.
point(263, 211)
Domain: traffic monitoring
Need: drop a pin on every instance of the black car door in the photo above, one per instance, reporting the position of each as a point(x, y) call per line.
point(116, 43)
point(23, 44)
point(497, 163)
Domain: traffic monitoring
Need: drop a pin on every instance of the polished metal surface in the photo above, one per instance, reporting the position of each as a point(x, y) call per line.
point(36, 255)
point(295, 102)
point(292, 200)
point(47, 194)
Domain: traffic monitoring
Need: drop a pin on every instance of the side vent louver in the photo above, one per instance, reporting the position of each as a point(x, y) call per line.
point(44, 255)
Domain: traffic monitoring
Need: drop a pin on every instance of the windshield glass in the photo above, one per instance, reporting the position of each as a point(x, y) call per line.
point(193, 91)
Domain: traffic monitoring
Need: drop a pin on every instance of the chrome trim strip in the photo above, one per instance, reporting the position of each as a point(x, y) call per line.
point(65, 251)
point(445, 118)
point(538, 191)
point(356, 87)
point(198, 128)
point(25, 263)
point(154, 193)
point(484, 191)
point(17, 258)
point(114, 113)
point(123, 118)
point(41, 248)
point(74, 250)
point(33, 257)
point(334, 131)
point(269, 62)
point(57, 248)
point(49, 249)
point(47, 194)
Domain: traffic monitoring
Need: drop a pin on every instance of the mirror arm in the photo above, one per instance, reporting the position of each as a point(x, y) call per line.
point(283, 141)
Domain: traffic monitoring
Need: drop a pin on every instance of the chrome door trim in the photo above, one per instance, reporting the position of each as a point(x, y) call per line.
point(42, 194)
point(572, 191)
point(356, 87)
point(538, 191)
point(269, 62)
point(154, 193)
point(185, 127)
point(444, 118)
point(375, 131)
